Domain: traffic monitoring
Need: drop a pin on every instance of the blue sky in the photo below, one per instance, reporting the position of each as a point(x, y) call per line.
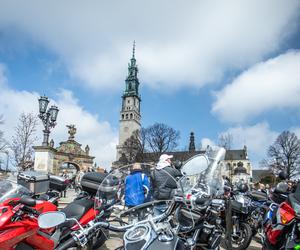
point(205, 66)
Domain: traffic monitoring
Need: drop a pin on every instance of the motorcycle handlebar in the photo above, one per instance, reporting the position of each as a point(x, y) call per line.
point(30, 210)
point(67, 244)
point(114, 228)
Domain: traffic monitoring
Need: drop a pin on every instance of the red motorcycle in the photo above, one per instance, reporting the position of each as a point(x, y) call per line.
point(18, 217)
point(282, 230)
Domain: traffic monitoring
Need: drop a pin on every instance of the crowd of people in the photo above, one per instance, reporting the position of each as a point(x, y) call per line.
point(140, 188)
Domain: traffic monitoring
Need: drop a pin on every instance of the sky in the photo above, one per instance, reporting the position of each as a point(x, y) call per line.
point(210, 67)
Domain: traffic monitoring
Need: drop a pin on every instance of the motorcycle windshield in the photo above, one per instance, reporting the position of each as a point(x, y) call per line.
point(10, 189)
point(203, 173)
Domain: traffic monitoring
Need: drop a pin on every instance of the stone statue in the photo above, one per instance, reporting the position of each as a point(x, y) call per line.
point(72, 131)
point(51, 143)
point(87, 149)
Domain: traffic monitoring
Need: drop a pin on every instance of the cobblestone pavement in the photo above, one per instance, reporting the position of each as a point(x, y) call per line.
point(116, 241)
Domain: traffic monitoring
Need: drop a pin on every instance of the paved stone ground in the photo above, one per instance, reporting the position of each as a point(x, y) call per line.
point(115, 240)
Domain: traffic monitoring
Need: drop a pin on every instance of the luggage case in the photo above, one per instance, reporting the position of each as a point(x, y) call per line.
point(58, 183)
point(92, 181)
point(37, 182)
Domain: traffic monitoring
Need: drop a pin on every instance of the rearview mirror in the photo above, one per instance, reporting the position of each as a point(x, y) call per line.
point(51, 219)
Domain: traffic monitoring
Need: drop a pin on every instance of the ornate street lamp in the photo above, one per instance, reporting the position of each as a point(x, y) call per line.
point(7, 160)
point(48, 117)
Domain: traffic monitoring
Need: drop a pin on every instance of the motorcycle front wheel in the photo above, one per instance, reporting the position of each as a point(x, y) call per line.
point(242, 239)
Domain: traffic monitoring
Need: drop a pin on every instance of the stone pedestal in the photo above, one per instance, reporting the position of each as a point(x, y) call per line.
point(44, 159)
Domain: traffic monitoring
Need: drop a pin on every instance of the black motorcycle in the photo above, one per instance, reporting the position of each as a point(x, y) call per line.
point(190, 221)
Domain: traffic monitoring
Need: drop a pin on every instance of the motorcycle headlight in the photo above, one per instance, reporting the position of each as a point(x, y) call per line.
point(137, 233)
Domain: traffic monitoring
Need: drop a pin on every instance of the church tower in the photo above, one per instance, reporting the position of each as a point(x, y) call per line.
point(130, 116)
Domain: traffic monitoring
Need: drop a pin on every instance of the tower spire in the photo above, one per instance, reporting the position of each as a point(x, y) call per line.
point(133, 50)
point(192, 143)
point(132, 81)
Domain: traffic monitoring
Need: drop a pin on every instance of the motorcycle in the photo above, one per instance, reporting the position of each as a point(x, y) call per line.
point(282, 229)
point(241, 230)
point(19, 216)
point(259, 207)
point(189, 221)
point(213, 185)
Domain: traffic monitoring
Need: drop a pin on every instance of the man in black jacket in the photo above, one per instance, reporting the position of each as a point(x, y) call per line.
point(164, 178)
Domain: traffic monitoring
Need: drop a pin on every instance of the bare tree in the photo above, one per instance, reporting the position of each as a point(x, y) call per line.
point(161, 138)
point(225, 140)
point(3, 142)
point(24, 139)
point(285, 153)
point(135, 146)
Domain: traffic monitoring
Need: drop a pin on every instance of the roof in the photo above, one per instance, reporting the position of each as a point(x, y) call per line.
point(185, 155)
point(236, 155)
point(178, 155)
point(258, 174)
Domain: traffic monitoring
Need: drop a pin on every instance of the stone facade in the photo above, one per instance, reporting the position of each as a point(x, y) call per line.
point(237, 165)
point(50, 159)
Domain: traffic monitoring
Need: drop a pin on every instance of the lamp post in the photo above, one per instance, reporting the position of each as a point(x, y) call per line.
point(48, 117)
point(7, 160)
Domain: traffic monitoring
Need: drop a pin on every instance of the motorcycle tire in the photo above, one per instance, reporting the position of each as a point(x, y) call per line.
point(99, 240)
point(196, 248)
point(254, 231)
point(246, 236)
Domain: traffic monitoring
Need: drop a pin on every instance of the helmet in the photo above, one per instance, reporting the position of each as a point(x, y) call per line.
point(282, 175)
point(282, 187)
point(242, 188)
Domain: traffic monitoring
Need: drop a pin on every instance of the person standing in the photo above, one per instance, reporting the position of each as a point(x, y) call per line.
point(65, 176)
point(78, 178)
point(164, 182)
point(136, 188)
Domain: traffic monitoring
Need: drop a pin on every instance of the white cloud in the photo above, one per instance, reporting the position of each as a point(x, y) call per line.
point(91, 130)
point(177, 43)
point(266, 86)
point(205, 142)
point(257, 138)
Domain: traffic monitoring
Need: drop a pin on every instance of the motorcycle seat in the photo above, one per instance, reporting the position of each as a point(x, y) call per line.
point(258, 196)
point(77, 208)
point(202, 201)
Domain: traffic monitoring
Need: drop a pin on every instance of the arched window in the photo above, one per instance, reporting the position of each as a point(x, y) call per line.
point(228, 166)
point(126, 116)
point(131, 116)
point(122, 117)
